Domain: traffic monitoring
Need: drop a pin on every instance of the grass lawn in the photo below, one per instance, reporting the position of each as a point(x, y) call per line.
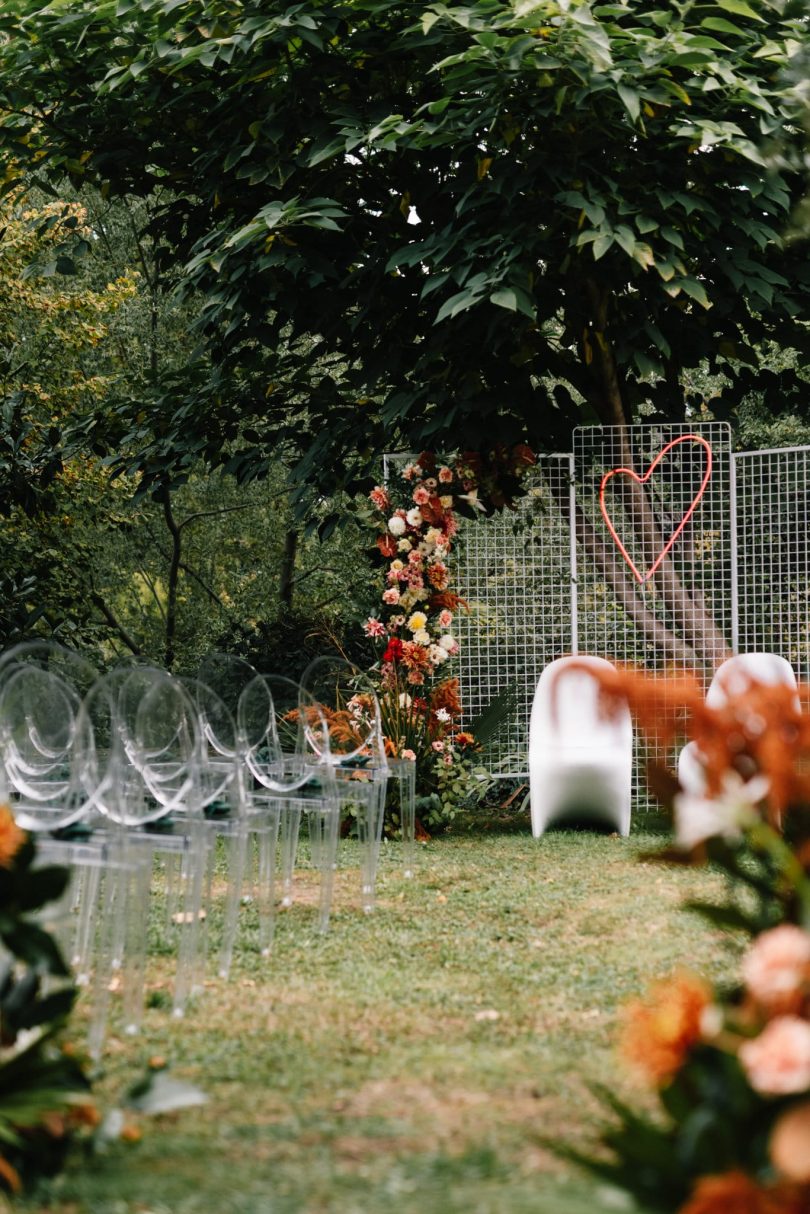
point(415, 1059)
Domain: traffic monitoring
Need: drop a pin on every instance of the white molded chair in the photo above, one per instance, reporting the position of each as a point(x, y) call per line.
point(731, 678)
point(580, 761)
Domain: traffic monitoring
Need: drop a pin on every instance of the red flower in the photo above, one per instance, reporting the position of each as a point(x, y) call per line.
point(387, 545)
point(393, 650)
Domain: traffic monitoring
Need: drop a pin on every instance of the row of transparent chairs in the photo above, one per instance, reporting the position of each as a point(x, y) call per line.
point(136, 747)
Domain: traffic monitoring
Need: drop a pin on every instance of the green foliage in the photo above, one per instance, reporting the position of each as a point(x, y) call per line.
point(597, 210)
point(286, 645)
point(41, 1084)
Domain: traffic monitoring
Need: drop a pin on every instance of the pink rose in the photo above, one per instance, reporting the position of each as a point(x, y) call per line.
point(391, 596)
point(380, 498)
point(445, 476)
point(421, 495)
point(445, 618)
point(374, 628)
point(408, 754)
point(777, 1062)
point(776, 968)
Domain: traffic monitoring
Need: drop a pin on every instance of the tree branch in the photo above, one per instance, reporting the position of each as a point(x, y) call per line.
point(114, 623)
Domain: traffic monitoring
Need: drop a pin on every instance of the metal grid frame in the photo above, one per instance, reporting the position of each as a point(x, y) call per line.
point(536, 593)
point(517, 572)
point(773, 524)
point(681, 617)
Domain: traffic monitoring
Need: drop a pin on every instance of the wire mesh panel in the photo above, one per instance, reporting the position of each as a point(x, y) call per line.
point(514, 571)
point(773, 523)
point(654, 531)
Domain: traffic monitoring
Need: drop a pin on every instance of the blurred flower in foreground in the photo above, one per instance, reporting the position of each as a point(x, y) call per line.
point(698, 818)
point(659, 1031)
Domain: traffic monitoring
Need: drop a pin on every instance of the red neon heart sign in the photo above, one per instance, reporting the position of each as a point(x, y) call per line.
point(641, 480)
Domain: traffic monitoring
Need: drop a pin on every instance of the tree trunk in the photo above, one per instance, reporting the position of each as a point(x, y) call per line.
point(287, 573)
point(174, 576)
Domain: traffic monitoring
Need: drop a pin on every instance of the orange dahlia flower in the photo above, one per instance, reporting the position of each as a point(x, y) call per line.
point(659, 1031)
point(737, 1193)
point(11, 837)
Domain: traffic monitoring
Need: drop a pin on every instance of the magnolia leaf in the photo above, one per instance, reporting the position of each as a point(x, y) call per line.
point(625, 239)
point(643, 254)
point(740, 8)
point(630, 100)
point(696, 291)
point(601, 245)
point(459, 302)
point(721, 26)
point(505, 297)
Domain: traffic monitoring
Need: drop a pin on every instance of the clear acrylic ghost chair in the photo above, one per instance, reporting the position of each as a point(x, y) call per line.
point(154, 774)
point(227, 793)
point(126, 810)
point(170, 747)
point(53, 790)
point(252, 833)
point(348, 702)
point(733, 677)
point(38, 714)
point(280, 722)
point(580, 761)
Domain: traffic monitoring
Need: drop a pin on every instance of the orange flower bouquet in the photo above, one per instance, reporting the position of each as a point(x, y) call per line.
point(731, 1068)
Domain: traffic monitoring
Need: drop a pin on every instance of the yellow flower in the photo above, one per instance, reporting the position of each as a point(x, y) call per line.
point(417, 621)
point(11, 837)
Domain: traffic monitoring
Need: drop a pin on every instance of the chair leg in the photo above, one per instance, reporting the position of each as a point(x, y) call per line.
point(237, 847)
point(267, 841)
point(290, 827)
point(369, 797)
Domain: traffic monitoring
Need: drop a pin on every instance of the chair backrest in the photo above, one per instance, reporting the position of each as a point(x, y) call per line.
point(567, 714)
point(286, 733)
point(39, 747)
point(348, 701)
point(106, 736)
point(737, 673)
point(227, 675)
point(72, 668)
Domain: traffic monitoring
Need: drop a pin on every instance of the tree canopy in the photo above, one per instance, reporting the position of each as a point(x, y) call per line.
point(433, 226)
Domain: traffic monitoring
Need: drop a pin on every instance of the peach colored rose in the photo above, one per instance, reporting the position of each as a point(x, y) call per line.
point(790, 1143)
point(777, 1062)
point(776, 968)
